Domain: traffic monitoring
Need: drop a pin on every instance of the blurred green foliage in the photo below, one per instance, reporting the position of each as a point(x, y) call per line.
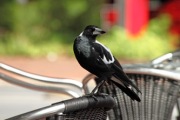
point(154, 42)
point(38, 27)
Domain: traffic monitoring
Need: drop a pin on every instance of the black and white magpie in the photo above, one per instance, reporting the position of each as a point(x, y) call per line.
point(98, 59)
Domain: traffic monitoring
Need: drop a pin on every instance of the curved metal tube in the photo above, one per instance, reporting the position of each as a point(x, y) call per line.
point(41, 113)
point(68, 106)
point(85, 80)
point(165, 57)
point(162, 58)
point(150, 71)
point(39, 87)
point(41, 78)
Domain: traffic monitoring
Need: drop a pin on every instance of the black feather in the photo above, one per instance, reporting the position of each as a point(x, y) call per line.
point(125, 79)
point(128, 91)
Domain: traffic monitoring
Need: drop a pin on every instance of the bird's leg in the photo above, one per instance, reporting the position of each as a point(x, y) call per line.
point(98, 85)
point(92, 94)
point(104, 79)
point(100, 88)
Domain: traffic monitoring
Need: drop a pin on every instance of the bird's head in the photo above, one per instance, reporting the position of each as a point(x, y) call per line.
point(92, 31)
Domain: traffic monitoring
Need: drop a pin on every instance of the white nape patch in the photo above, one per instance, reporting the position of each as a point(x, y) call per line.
point(104, 59)
point(81, 34)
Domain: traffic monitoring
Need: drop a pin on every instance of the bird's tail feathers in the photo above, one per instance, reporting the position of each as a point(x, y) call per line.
point(128, 90)
point(121, 76)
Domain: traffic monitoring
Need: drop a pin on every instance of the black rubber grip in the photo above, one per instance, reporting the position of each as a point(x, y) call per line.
point(86, 102)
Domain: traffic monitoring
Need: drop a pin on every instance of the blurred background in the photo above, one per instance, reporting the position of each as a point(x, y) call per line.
point(141, 29)
point(37, 36)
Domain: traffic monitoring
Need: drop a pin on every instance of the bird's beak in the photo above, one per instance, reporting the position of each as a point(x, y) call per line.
point(98, 31)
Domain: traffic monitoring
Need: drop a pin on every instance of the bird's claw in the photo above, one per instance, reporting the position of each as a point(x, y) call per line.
point(102, 94)
point(97, 94)
point(91, 95)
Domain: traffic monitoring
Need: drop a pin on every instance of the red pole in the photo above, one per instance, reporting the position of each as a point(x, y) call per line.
point(136, 15)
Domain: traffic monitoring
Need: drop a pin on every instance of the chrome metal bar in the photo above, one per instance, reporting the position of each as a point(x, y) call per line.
point(162, 58)
point(69, 106)
point(40, 87)
point(85, 80)
point(41, 113)
point(158, 72)
point(41, 78)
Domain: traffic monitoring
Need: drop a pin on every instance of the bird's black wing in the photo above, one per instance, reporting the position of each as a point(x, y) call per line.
point(122, 75)
point(103, 57)
point(121, 80)
point(119, 77)
point(103, 53)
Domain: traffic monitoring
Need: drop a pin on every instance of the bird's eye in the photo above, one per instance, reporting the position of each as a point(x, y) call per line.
point(91, 30)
